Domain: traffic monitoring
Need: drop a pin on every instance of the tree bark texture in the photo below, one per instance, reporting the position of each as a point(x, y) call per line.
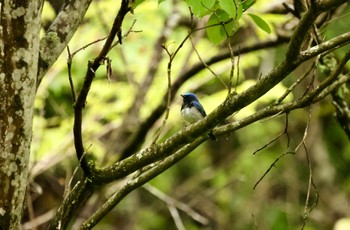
point(19, 52)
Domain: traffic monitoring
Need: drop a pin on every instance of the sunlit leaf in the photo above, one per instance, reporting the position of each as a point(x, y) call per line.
point(229, 7)
point(220, 26)
point(260, 23)
point(232, 8)
point(201, 8)
point(247, 4)
point(138, 2)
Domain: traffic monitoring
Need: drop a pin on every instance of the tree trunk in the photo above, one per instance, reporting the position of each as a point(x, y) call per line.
point(19, 52)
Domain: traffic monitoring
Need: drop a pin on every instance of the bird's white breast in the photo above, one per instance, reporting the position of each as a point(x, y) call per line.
point(191, 115)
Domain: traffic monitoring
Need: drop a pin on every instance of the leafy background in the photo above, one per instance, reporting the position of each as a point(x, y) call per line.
point(218, 178)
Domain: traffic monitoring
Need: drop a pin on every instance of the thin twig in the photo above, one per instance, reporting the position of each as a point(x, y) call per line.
point(127, 33)
point(207, 66)
point(295, 84)
point(271, 166)
point(285, 131)
point(310, 85)
point(86, 46)
point(39, 220)
point(31, 211)
point(133, 112)
point(176, 217)
point(69, 67)
point(238, 59)
point(168, 101)
point(311, 183)
point(67, 188)
point(178, 204)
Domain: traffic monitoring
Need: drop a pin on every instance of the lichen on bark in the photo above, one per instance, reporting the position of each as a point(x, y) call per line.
point(20, 29)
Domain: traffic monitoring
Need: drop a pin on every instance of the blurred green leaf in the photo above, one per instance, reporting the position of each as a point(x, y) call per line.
point(247, 4)
point(138, 2)
point(229, 6)
point(201, 8)
point(260, 23)
point(220, 26)
point(232, 8)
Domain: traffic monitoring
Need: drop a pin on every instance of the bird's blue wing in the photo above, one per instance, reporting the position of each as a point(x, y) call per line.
point(199, 107)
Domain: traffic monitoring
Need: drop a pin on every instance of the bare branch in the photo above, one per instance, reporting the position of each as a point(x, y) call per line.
point(69, 68)
point(285, 131)
point(295, 84)
point(326, 46)
point(311, 183)
point(39, 220)
point(176, 217)
point(178, 204)
point(207, 66)
point(89, 76)
point(168, 101)
point(271, 166)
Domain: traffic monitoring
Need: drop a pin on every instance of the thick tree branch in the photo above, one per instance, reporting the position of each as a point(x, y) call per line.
point(279, 109)
point(79, 194)
point(59, 34)
point(326, 46)
point(140, 180)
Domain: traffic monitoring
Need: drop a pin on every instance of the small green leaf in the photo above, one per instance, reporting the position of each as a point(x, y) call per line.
point(232, 8)
point(136, 3)
point(229, 7)
point(247, 4)
point(260, 23)
point(220, 25)
point(201, 8)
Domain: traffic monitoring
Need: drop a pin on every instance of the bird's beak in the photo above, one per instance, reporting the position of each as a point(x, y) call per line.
point(182, 95)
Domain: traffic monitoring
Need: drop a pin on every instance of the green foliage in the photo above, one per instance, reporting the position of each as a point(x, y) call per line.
point(220, 26)
point(246, 4)
point(231, 8)
point(224, 17)
point(260, 23)
point(202, 8)
point(138, 2)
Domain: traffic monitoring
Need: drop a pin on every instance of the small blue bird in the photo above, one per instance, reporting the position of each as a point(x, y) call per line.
point(192, 111)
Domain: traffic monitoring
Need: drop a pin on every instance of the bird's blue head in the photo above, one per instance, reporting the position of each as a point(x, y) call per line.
point(189, 97)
